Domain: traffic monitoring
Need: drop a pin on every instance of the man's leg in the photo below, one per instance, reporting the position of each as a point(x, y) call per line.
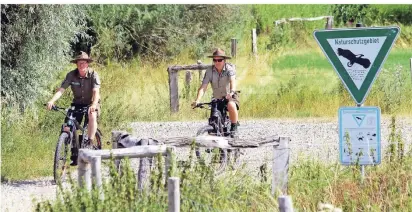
point(92, 127)
point(233, 116)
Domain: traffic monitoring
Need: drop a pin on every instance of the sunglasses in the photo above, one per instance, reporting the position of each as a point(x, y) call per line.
point(218, 60)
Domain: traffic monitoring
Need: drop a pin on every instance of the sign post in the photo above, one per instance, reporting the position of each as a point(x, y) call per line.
point(359, 135)
point(357, 55)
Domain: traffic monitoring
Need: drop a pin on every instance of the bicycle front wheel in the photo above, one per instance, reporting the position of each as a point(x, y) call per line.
point(214, 158)
point(97, 141)
point(60, 158)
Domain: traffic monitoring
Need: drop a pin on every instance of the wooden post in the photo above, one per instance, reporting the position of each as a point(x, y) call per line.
point(201, 72)
point(188, 77)
point(410, 65)
point(254, 42)
point(188, 80)
point(84, 178)
point(173, 192)
point(329, 22)
point(96, 173)
point(233, 47)
point(280, 166)
point(285, 204)
point(170, 154)
point(173, 91)
point(116, 161)
point(144, 166)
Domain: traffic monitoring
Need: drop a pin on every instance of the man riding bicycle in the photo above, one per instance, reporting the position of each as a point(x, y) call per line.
point(85, 85)
point(222, 76)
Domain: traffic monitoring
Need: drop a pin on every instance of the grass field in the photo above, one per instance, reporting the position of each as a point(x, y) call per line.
point(292, 84)
point(288, 79)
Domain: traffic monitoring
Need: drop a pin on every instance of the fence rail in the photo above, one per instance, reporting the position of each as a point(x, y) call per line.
point(89, 161)
point(328, 25)
point(280, 144)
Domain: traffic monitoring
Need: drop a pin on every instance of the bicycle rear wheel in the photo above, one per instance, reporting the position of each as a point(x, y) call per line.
point(215, 158)
point(60, 158)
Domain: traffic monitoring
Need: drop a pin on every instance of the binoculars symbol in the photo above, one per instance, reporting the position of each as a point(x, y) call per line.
point(354, 58)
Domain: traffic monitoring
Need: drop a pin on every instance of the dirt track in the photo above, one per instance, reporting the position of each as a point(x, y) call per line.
point(315, 137)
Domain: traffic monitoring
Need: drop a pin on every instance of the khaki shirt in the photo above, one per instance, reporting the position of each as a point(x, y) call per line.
point(82, 87)
point(220, 82)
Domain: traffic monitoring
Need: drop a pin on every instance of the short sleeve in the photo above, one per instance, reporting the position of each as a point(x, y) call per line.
point(96, 80)
point(207, 77)
point(231, 69)
point(66, 82)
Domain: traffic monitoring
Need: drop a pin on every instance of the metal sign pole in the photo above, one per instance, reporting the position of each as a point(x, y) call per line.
point(362, 167)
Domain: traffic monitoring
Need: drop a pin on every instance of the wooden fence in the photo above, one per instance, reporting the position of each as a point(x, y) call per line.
point(89, 161)
point(173, 72)
point(328, 24)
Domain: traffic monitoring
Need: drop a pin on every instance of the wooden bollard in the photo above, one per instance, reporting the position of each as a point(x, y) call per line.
point(173, 192)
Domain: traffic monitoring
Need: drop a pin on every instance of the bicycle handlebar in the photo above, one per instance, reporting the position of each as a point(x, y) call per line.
point(200, 105)
point(81, 110)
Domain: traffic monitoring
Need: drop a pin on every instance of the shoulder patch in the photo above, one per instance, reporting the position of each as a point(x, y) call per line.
point(230, 66)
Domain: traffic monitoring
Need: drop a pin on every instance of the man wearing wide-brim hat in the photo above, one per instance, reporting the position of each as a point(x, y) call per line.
point(222, 77)
point(85, 85)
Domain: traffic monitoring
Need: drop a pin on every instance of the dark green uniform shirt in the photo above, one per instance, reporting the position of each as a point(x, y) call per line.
point(82, 87)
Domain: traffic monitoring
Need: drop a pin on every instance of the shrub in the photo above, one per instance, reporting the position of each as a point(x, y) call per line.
point(35, 47)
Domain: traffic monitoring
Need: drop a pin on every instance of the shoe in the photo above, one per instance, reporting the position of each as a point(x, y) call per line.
point(89, 144)
point(233, 130)
point(74, 161)
point(73, 157)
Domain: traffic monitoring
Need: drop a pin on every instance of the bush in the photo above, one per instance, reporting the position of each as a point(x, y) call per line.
point(35, 47)
point(159, 32)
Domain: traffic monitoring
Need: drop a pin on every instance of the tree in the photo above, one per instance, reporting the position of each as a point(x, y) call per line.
point(35, 44)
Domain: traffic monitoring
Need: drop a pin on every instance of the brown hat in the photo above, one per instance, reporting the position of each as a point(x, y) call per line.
point(82, 56)
point(219, 53)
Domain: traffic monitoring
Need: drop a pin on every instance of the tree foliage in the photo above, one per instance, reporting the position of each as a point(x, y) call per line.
point(36, 44)
point(159, 31)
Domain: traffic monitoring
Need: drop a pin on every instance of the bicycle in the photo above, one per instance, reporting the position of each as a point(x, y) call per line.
point(218, 125)
point(354, 58)
point(70, 138)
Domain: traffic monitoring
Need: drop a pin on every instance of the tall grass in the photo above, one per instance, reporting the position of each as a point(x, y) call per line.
point(200, 190)
point(310, 182)
point(289, 82)
point(292, 84)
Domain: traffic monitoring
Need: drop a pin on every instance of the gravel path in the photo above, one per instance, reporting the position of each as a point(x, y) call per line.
point(317, 138)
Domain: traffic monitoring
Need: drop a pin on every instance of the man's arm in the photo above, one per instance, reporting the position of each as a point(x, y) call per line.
point(232, 87)
point(232, 84)
point(96, 97)
point(96, 92)
point(201, 91)
point(203, 87)
point(56, 96)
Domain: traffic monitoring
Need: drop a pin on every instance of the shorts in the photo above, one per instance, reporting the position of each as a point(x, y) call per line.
point(79, 116)
point(235, 99)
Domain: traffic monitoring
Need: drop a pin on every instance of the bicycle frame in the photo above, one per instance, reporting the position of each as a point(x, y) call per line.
point(218, 116)
point(72, 125)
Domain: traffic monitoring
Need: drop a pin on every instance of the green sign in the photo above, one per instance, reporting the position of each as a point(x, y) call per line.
point(357, 54)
